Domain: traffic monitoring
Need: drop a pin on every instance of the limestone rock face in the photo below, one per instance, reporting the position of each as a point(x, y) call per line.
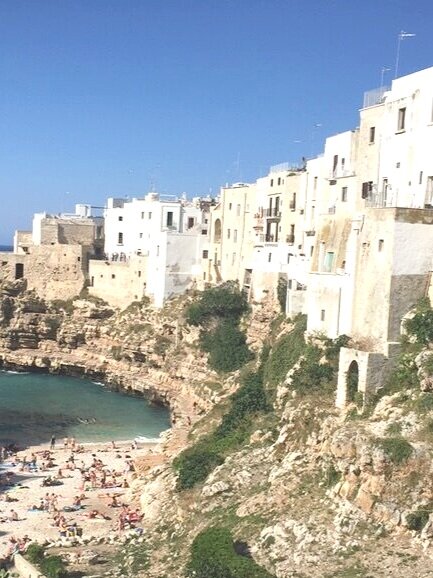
point(311, 490)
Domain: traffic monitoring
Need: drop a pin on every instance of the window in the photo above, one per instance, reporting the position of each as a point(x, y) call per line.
point(204, 231)
point(272, 182)
point(230, 206)
point(372, 134)
point(335, 165)
point(19, 270)
point(191, 222)
point(367, 189)
point(139, 273)
point(205, 254)
point(344, 194)
point(120, 218)
point(380, 245)
point(329, 261)
point(238, 210)
point(429, 193)
point(279, 180)
point(228, 233)
point(149, 216)
point(233, 258)
point(235, 235)
point(142, 215)
point(420, 177)
point(315, 183)
point(204, 276)
point(157, 250)
point(141, 235)
point(113, 276)
point(401, 118)
point(311, 251)
point(269, 257)
point(322, 315)
point(169, 219)
point(120, 239)
point(288, 257)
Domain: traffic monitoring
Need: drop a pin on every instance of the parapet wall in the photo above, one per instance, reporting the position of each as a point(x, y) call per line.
point(53, 272)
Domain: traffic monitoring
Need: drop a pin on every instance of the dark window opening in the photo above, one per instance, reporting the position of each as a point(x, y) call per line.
point(19, 270)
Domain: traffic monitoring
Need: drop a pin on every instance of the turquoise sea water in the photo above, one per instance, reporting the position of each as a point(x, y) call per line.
point(35, 406)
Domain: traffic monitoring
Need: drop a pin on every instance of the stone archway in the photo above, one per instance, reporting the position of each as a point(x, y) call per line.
point(352, 381)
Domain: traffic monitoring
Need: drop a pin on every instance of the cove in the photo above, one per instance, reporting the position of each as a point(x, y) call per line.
point(35, 406)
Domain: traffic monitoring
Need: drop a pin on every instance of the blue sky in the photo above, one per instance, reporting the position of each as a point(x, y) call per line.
point(111, 97)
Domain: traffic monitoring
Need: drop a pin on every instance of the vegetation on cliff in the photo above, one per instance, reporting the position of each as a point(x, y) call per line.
point(213, 555)
point(218, 312)
point(195, 463)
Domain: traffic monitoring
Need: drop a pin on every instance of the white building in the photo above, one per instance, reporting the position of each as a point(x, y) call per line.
point(153, 246)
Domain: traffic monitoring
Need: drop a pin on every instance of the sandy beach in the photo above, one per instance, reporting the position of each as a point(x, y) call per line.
point(106, 465)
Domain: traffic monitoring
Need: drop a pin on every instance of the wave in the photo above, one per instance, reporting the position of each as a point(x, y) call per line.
point(146, 440)
point(11, 371)
point(99, 383)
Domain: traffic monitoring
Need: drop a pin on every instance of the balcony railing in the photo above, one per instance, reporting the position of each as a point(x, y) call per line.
point(310, 233)
point(273, 213)
point(375, 96)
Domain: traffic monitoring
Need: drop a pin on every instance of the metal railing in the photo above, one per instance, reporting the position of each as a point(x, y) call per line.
point(375, 96)
point(274, 212)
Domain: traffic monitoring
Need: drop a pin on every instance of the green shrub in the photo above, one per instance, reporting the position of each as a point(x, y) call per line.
point(428, 365)
point(331, 476)
point(285, 353)
point(53, 567)
point(162, 344)
point(282, 293)
point(226, 346)
point(218, 312)
point(311, 374)
point(397, 449)
point(35, 553)
point(421, 324)
point(224, 301)
point(213, 556)
point(417, 520)
point(50, 566)
point(195, 464)
point(249, 399)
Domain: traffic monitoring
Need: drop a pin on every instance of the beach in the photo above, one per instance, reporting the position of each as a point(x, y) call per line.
point(80, 505)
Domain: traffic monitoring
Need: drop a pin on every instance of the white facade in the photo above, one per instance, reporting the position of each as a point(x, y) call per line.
point(160, 243)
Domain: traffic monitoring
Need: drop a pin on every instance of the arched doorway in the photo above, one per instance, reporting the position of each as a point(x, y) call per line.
point(217, 231)
point(352, 381)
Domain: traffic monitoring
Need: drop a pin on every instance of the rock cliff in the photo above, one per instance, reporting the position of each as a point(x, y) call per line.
point(314, 492)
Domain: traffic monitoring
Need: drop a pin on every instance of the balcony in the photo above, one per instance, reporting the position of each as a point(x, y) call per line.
point(375, 96)
point(310, 233)
point(273, 213)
